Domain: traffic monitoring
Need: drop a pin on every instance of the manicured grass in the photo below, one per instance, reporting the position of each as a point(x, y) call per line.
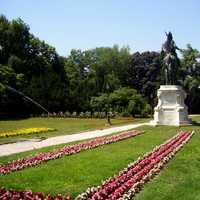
point(180, 179)
point(63, 126)
point(73, 174)
point(6, 159)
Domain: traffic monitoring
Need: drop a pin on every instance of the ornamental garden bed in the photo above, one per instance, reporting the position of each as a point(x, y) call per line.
point(65, 151)
point(25, 131)
point(132, 179)
point(63, 126)
point(72, 175)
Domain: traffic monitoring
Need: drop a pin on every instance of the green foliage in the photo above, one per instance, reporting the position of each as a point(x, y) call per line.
point(136, 105)
point(81, 81)
point(74, 174)
point(191, 77)
point(144, 74)
point(2, 89)
point(31, 66)
point(123, 100)
point(7, 75)
point(94, 71)
point(88, 114)
point(101, 103)
point(68, 83)
point(15, 63)
point(64, 126)
point(14, 37)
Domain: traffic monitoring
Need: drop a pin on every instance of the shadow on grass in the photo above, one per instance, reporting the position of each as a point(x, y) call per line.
point(11, 118)
point(195, 123)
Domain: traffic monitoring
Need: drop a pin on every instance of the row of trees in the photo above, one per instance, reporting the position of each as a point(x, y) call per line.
point(75, 82)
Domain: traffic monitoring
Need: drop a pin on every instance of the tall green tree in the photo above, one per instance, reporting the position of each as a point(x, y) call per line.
point(81, 79)
point(190, 68)
point(144, 74)
point(94, 71)
point(38, 69)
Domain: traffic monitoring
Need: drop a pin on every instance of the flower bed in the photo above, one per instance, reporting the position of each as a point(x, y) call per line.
point(132, 179)
point(28, 195)
point(25, 131)
point(65, 151)
point(124, 185)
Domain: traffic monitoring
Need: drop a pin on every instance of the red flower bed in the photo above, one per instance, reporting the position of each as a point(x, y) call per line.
point(28, 195)
point(65, 151)
point(132, 179)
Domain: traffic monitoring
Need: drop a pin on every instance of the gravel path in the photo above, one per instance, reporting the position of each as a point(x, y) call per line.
point(8, 149)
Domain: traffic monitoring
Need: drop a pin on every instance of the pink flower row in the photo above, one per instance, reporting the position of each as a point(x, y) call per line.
point(131, 180)
point(28, 195)
point(65, 151)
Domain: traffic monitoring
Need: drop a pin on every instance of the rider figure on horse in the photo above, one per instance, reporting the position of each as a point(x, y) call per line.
point(170, 60)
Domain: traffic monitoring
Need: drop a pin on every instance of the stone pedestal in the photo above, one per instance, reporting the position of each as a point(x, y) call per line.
point(171, 109)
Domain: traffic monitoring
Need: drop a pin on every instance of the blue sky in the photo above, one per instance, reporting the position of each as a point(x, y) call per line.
point(86, 24)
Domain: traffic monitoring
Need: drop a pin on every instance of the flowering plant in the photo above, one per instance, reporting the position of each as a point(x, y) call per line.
point(132, 179)
point(65, 151)
point(29, 195)
point(127, 183)
point(25, 131)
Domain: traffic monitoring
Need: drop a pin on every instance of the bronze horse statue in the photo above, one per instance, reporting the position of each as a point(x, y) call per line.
point(170, 60)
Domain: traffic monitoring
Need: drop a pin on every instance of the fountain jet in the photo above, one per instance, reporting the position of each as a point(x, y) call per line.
point(26, 98)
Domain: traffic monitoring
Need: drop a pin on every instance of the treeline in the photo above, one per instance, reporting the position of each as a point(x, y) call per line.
point(103, 79)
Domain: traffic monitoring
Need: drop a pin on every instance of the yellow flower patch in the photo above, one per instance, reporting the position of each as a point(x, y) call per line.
point(25, 131)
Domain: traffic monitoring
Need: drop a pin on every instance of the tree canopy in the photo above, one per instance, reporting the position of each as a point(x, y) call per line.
point(71, 83)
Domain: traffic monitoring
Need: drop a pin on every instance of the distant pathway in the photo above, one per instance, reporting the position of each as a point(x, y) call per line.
point(8, 149)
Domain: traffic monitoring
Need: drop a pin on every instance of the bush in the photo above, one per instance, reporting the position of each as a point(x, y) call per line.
point(88, 114)
point(82, 115)
point(60, 114)
point(67, 114)
point(95, 115)
point(102, 115)
point(54, 114)
point(116, 114)
point(74, 114)
point(44, 115)
point(146, 111)
point(124, 100)
point(125, 114)
point(137, 105)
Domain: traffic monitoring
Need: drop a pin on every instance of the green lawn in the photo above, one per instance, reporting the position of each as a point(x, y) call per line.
point(63, 126)
point(180, 179)
point(73, 174)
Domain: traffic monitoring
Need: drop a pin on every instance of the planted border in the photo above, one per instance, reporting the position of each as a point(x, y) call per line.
point(122, 186)
point(29, 195)
point(65, 151)
point(132, 179)
point(25, 131)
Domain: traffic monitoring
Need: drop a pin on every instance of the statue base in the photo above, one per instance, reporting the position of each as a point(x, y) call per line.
point(171, 109)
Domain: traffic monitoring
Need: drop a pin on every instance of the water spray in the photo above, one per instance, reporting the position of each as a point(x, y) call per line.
point(26, 98)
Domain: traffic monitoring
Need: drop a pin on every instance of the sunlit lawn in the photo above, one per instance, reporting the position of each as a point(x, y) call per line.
point(73, 174)
point(63, 126)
